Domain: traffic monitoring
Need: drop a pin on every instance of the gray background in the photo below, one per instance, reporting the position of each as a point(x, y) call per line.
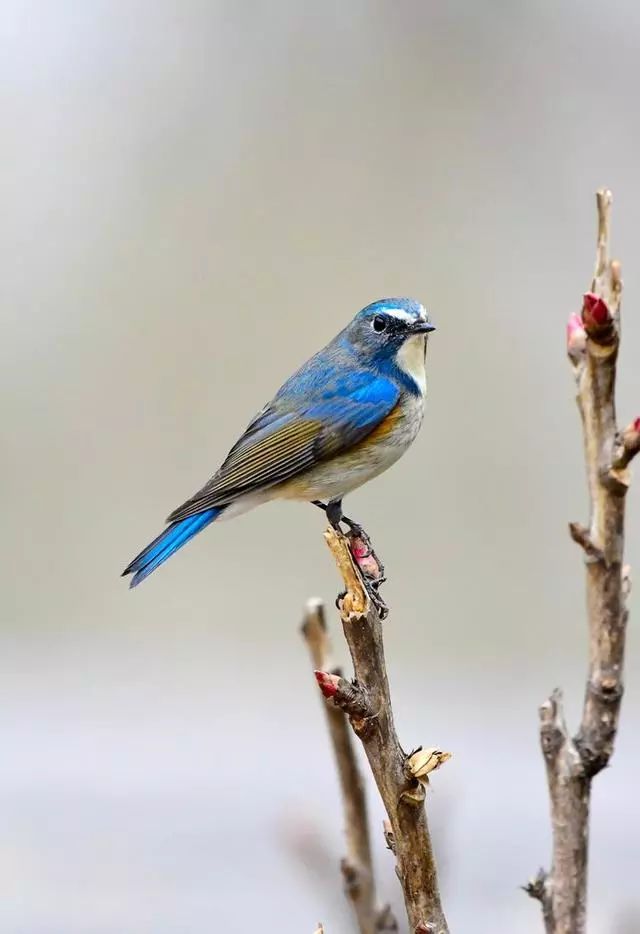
point(196, 196)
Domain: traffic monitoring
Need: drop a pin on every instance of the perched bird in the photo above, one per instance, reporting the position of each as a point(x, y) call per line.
point(343, 418)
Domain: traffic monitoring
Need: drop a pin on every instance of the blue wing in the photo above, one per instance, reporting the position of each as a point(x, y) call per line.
point(320, 412)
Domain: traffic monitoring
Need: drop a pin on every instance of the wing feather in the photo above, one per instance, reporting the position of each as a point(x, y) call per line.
point(279, 445)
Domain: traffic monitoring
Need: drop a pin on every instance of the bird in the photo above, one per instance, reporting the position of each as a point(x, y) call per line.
point(348, 414)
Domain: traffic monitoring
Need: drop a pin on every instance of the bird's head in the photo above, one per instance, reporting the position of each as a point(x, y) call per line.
point(393, 331)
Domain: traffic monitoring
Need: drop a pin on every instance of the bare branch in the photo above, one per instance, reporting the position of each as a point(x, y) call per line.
point(357, 867)
point(592, 344)
point(402, 793)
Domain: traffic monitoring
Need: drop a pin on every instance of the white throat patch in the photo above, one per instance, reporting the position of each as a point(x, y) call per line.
point(411, 359)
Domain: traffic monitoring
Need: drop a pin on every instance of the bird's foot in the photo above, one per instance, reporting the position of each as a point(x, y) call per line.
point(369, 565)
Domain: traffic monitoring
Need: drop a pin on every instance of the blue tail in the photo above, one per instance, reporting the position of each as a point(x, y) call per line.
point(167, 543)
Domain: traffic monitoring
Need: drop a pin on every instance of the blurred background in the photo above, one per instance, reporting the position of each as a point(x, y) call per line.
point(195, 197)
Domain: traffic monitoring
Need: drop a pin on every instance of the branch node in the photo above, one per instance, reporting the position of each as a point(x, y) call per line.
point(627, 446)
point(582, 536)
point(351, 876)
point(553, 729)
point(348, 695)
point(536, 887)
point(389, 836)
point(413, 796)
point(385, 922)
point(598, 320)
point(421, 762)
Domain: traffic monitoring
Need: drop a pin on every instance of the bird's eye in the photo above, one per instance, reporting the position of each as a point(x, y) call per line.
point(379, 323)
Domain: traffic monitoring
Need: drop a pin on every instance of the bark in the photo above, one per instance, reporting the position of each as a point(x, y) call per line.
point(367, 703)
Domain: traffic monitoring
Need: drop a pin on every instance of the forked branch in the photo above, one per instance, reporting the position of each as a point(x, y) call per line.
point(400, 778)
point(357, 866)
point(593, 339)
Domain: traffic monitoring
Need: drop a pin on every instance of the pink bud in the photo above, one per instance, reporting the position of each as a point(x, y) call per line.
point(327, 683)
point(364, 557)
point(576, 337)
point(359, 548)
point(595, 313)
point(631, 435)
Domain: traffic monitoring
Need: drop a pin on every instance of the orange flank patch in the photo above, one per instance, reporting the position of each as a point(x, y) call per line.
point(307, 485)
point(384, 428)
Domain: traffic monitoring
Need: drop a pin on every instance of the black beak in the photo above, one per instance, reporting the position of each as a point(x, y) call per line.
point(422, 327)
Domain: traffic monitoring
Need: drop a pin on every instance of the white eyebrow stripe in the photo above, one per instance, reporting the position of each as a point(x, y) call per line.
point(403, 315)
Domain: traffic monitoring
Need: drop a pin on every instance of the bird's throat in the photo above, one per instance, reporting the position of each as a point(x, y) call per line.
point(411, 360)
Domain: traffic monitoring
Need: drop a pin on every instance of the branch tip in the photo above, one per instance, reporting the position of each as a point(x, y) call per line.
point(616, 276)
point(604, 199)
point(314, 607)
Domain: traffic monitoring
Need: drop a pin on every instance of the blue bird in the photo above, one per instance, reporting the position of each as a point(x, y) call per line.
point(343, 418)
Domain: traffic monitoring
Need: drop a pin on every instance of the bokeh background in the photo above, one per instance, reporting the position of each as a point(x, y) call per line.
point(195, 197)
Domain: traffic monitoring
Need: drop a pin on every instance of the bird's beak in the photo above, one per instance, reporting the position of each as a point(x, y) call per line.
point(422, 327)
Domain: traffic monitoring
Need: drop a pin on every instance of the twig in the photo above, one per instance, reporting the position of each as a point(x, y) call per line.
point(593, 339)
point(357, 867)
point(367, 702)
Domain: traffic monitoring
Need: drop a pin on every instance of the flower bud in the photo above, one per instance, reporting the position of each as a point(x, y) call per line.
point(596, 317)
point(327, 683)
point(364, 557)
point(576, 337)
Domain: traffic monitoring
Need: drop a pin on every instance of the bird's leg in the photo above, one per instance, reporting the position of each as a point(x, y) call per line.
point(334, 513)
point(370, 566)
point(336, 516)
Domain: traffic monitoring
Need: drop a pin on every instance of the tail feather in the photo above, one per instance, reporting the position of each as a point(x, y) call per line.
point(167, 543)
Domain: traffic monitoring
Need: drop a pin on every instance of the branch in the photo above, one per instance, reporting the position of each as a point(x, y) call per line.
point(357, 867)
point(593, 340)
point(400, 778)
